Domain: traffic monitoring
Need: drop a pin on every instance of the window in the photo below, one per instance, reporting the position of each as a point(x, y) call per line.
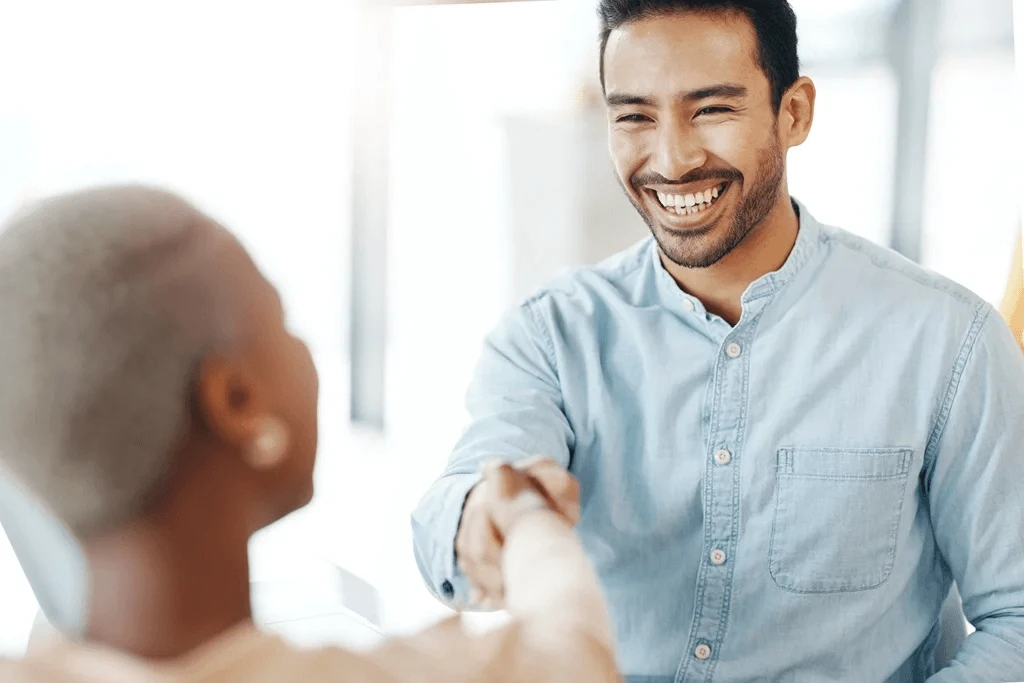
point(972, 209)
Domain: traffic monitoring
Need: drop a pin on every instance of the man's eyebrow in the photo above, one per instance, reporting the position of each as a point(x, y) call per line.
point(727, 90)
point(625, 100)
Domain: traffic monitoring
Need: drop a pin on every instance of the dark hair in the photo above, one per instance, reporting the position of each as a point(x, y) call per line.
point(774, 22)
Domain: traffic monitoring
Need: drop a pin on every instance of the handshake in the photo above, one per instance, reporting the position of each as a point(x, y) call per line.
point(494, 507)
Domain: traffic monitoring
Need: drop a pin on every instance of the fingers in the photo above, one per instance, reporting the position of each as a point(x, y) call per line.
point(478, 552)
point(478, 545)
point(561, 488)
point(505, 483)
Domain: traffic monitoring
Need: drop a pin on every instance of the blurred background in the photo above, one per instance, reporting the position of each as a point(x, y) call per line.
point(405, 171)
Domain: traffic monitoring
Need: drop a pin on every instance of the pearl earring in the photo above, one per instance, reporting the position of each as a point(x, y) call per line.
point(270, 444)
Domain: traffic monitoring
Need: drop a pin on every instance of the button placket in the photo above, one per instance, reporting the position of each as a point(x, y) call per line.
point(727, 416)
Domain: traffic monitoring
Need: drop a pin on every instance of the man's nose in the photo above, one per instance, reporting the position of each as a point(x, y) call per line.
point(678, 150)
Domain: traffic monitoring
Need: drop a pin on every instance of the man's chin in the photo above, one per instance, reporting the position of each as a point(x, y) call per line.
point(693, 249)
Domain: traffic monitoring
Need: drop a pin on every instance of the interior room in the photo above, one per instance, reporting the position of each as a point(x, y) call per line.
point(407, 171)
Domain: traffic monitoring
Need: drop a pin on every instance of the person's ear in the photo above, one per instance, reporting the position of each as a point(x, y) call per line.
point(796, 113)
point(231, 408)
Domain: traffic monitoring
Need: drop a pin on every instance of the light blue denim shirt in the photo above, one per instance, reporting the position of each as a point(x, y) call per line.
point(788, 499)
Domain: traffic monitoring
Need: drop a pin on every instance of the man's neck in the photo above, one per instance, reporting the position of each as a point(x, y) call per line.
point(160, 591)
point(765, 250)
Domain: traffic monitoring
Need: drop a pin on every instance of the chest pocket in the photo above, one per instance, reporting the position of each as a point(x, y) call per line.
point(837, 514)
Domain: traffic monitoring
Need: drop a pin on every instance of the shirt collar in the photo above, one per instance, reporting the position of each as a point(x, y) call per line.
point(808, 244)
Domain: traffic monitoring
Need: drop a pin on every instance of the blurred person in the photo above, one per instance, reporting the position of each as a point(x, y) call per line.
point(789, 441)
point(155, 403)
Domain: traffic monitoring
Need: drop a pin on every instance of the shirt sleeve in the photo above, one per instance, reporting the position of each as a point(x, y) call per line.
point(515, 412)
point(974, 467)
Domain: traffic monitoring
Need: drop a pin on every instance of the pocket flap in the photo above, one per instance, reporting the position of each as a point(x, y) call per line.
point(844, 463)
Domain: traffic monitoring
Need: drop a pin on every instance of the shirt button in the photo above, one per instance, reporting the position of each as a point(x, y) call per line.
point(702, 652)
point(717, 557)
point(447, 590)
point(733, 350)
point(723, 457)
point(688, 305)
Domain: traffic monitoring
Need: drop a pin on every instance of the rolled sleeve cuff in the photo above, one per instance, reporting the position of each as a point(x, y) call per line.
point(435, 525)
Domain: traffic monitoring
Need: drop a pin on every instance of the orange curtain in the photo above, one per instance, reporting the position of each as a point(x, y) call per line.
point(1013, 303)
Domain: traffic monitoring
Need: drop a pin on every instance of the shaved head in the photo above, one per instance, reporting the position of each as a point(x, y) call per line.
point(109, 301)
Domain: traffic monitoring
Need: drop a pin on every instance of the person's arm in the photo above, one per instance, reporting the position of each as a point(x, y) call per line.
point(554, 594)
point(560, 630)
point(515, 410)
point(974, 470)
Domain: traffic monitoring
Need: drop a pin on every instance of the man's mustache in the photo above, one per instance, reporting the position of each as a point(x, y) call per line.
point(696, 175)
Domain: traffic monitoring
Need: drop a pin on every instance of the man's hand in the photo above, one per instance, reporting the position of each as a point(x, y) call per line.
point(480, 539)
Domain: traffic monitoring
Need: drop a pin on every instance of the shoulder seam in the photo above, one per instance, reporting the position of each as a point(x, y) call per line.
point(879, 263)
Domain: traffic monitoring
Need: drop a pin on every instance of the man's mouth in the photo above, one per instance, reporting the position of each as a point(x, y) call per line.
point(689, 204)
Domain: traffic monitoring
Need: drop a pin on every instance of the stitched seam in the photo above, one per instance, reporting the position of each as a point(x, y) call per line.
point(844, 477)
point(787, 464)
point(824, 585)
point(981, 315)
point(857, 451)
point(723, 623)
point(549, 344)
point(840, 239)
point(698, 603)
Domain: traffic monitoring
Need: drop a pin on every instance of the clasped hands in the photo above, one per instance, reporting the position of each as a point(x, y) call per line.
point(504, 496)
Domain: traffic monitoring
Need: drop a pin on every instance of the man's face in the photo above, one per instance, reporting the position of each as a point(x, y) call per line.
point(692, 130)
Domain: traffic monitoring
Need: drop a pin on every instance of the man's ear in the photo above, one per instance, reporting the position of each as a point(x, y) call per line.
point(228, 402)
point(796, 112)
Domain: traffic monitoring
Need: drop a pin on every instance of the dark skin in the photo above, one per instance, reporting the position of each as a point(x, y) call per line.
point(690, 109)
point(178, 575)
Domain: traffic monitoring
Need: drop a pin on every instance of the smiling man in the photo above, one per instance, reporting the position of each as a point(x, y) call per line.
point(789, 441)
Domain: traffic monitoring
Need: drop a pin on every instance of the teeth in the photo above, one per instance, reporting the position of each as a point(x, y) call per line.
point(689, 204)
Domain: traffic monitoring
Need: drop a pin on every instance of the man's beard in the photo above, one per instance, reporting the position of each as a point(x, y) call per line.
point(712, 243)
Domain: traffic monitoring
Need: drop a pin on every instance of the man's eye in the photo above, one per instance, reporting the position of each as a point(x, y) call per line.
point(711, 111)
point(632, 118)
